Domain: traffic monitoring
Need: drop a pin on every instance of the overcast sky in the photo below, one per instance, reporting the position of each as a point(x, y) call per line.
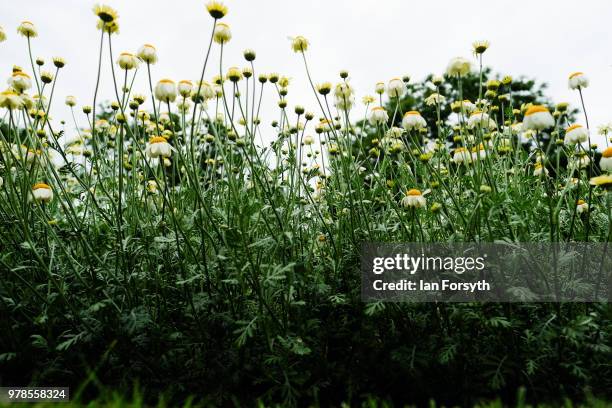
point(374, 40)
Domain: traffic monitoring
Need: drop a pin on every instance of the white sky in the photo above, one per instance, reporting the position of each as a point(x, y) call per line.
point(374, 40)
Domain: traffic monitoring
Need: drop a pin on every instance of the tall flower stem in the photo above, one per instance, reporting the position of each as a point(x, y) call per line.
point(153, 99)
point(480, 76)
point(590, 197)
point(195, 104)
point(33, 68)
point(119, 162)
point(94, 137)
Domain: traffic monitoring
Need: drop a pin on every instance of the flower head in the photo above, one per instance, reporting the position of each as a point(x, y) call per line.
point(378, 116)
point(234, 74)
point(579, 161)
point(479, 119)
point(127, 61)
point(10, 100)
point(165, 90)
point(576, 134)
point(202, 91)
point(539, 170)
point(458, 67)
point(185, 88)
point(462, 156)
point(105, 13)
point(283, 81)
point(577, 80)
point(437, 80)
point(478, 152)
point(396, 88)
point(216, 9)
point(324, 125)
point(27, 29)
point(249, 54)
point(413, 120)
point(538, 117)
point(2, 34)
point(59, 62)
point(493, 84)
point(324, 88)
point(222, 33)
point(465, 106)
point(273, 77)
point(148, 54)
point(368, 99)
point(111, 28)
point(603, 180)
point(344, 96)
point(479, 47)
point(581, 206)
point(606, 160)
point(20, 81)
point(435, 99)
point(379, 88)
point(299, 44)
point(46, 77)
point(414, 198)
point(158, 147)
point(71, 101)
point(140, 98)
point(41, 192)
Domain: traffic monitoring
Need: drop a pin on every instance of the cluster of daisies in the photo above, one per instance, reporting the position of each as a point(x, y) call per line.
point(478, 133)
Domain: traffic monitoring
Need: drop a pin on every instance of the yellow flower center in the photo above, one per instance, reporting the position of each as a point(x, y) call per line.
point(575, 74)
point(607, 153)
point(413, 192)
point(157, 139)
point(166, 81)
point(601, 180)
point(580, 202)
point(536, 109)
point(412, 113)
point(40, 185)
point(478, 148)
point(573, 127)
